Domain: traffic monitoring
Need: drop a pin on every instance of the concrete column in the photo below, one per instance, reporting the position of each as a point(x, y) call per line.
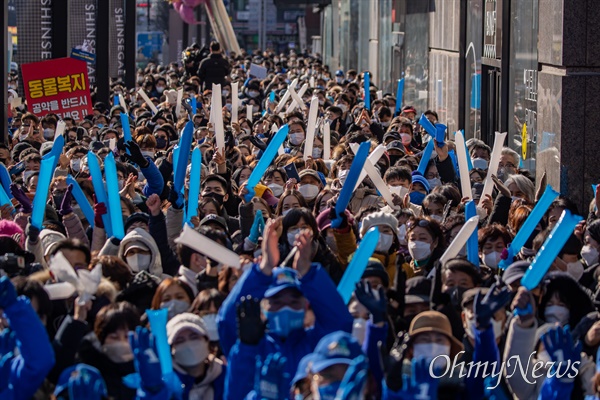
point(569, 97)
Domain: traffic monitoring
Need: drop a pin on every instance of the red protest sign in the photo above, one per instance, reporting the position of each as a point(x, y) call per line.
point(58, 86)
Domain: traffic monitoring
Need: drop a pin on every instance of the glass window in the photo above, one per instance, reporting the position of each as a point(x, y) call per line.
point(523, 81)
point(473, 54)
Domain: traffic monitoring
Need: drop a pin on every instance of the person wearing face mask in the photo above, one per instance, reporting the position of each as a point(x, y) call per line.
point(279, 296)
point(214, 68)
point(147, 145)
point(310, 185)
point(336, 122)
point(330, 361)
point(295, 137)
point(589, 254)
point(419, 189)
point(173, 294)
point(202, 375)
point(108, 349)
point(426, 244)
point(139, 250)
point(49, 127)
point(433, 206)
point(215, 186)
point(492, 240)
point(568, 259)
point(564, 301)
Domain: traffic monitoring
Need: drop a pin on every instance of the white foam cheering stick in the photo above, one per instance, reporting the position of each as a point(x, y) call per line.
point(286, 96)
point(311, 127)
point(463, 166)
point(297, 98)
point(234, 102)
point(122, 102)
point(326, 141)
point(384, 190)
point(217, 115)
point(373, 157)
point(274, 130)
point(493, 165)
point(311, 81)
point(379, 94)
point(460, 240)
point(60, 128)
point(179, 99)
point(195, 240)
point(249, 112)
point(147, 100)
point(85, 282)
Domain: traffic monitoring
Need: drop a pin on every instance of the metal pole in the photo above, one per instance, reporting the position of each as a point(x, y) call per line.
point(4, 70)
point(102, 53)
point(130, 43)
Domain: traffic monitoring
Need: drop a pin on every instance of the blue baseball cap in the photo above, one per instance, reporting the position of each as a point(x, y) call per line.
point(336, 348)
point(339, 72)
point(418, 178)
point(303, 368)
point(89, 374)
point(283, 278)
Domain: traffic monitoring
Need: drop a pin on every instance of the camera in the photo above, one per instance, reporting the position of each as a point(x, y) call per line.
point(12, 264)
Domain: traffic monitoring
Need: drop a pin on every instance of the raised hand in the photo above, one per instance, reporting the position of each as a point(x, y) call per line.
point(559, 345)
point(271, 378)
point(484, 308)
point(86, 385)
point(251, 327)
point(8, 342)
point(393, 362)
point(270, 245)
point(135, 154)
point(32, 232)
point(377, 305)
point(153, 203)
point(65, 204)
point(176, 199)
point(99, 210)
point(147, 363)
point(303, 257)
point(257, 227)
point(21, 197)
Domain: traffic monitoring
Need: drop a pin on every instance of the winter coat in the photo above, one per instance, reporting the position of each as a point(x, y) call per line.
point(320, 292)
point(213, 69)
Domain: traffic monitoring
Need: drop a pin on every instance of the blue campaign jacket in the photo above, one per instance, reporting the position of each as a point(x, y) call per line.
point(329, 309)
point(21, 376)
point(187, 382)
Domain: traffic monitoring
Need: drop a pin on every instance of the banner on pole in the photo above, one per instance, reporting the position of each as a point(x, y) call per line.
point(58, 86)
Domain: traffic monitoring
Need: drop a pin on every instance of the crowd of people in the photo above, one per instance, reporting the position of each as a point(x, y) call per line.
point(276, 327)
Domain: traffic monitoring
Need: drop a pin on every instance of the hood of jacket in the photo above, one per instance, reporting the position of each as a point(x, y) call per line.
point(138, 235)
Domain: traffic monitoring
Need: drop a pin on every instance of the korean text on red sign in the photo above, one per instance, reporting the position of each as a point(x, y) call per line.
point(58, 86)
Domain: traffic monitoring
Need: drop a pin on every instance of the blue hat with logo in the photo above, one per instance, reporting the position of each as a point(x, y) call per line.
point(283, 278)
point(303, 368)
point(87, 373)
point(336, 348)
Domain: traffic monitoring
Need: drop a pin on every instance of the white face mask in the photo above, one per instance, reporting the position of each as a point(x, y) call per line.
point(276, 189)
point(175, 307)
point(27, 174)
point(76, 164)
point(296, 138)
point(429, 351)
point(492, 259)
point(402, 235)
point(118, 352)
point(471, 327)
point(437, 218)
point(419, 250)
point(575, 269)
point(589, 254)
point(225, 93)
point(148, 153)
point(343, 107)
point(435, 182)
point(139, 262)
point(317, 152)
point(190, 353)
point(291, 236)
point(558, 314)
point(385, 242)
point(253, 93)
point(285, 212)
point(121, 183)
point(210, 323)
point(48, 133)
point(342, 175)
point(359, 329)
point(406, 139)
point(309, 191)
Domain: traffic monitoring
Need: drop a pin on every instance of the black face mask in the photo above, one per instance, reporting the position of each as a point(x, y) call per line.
point(57, 200)
point(218, 197)
point(161, 143)
point(456, 294)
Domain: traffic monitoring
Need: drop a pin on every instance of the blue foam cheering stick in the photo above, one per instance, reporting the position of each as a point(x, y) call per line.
point(425, 157)
point(194, 192)
point(99, 190)
point(472, 243)
point(428, 126)
point(158, 326)
point(272, 97)
point(185, 144)
point(194, 104)
point(550, 249)
point(367, 89)
point(357, 265)
point(440, 134)
point(258, 227)
point(114, 200)
point(265, 160)
point(83, 202)
point(5, 180)
point(126, 128)
point(41, 193)
point(348, 188)
point(4, 199)
point(57, 148)
point(529, 225)
point(593, 190)
point(116, 100)
point(399, 94)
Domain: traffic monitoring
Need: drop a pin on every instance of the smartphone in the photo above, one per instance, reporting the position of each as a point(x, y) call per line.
point(292, 172)
point(17, 168)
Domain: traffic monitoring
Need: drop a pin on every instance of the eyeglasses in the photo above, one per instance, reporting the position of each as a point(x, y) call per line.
point(423, 223)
